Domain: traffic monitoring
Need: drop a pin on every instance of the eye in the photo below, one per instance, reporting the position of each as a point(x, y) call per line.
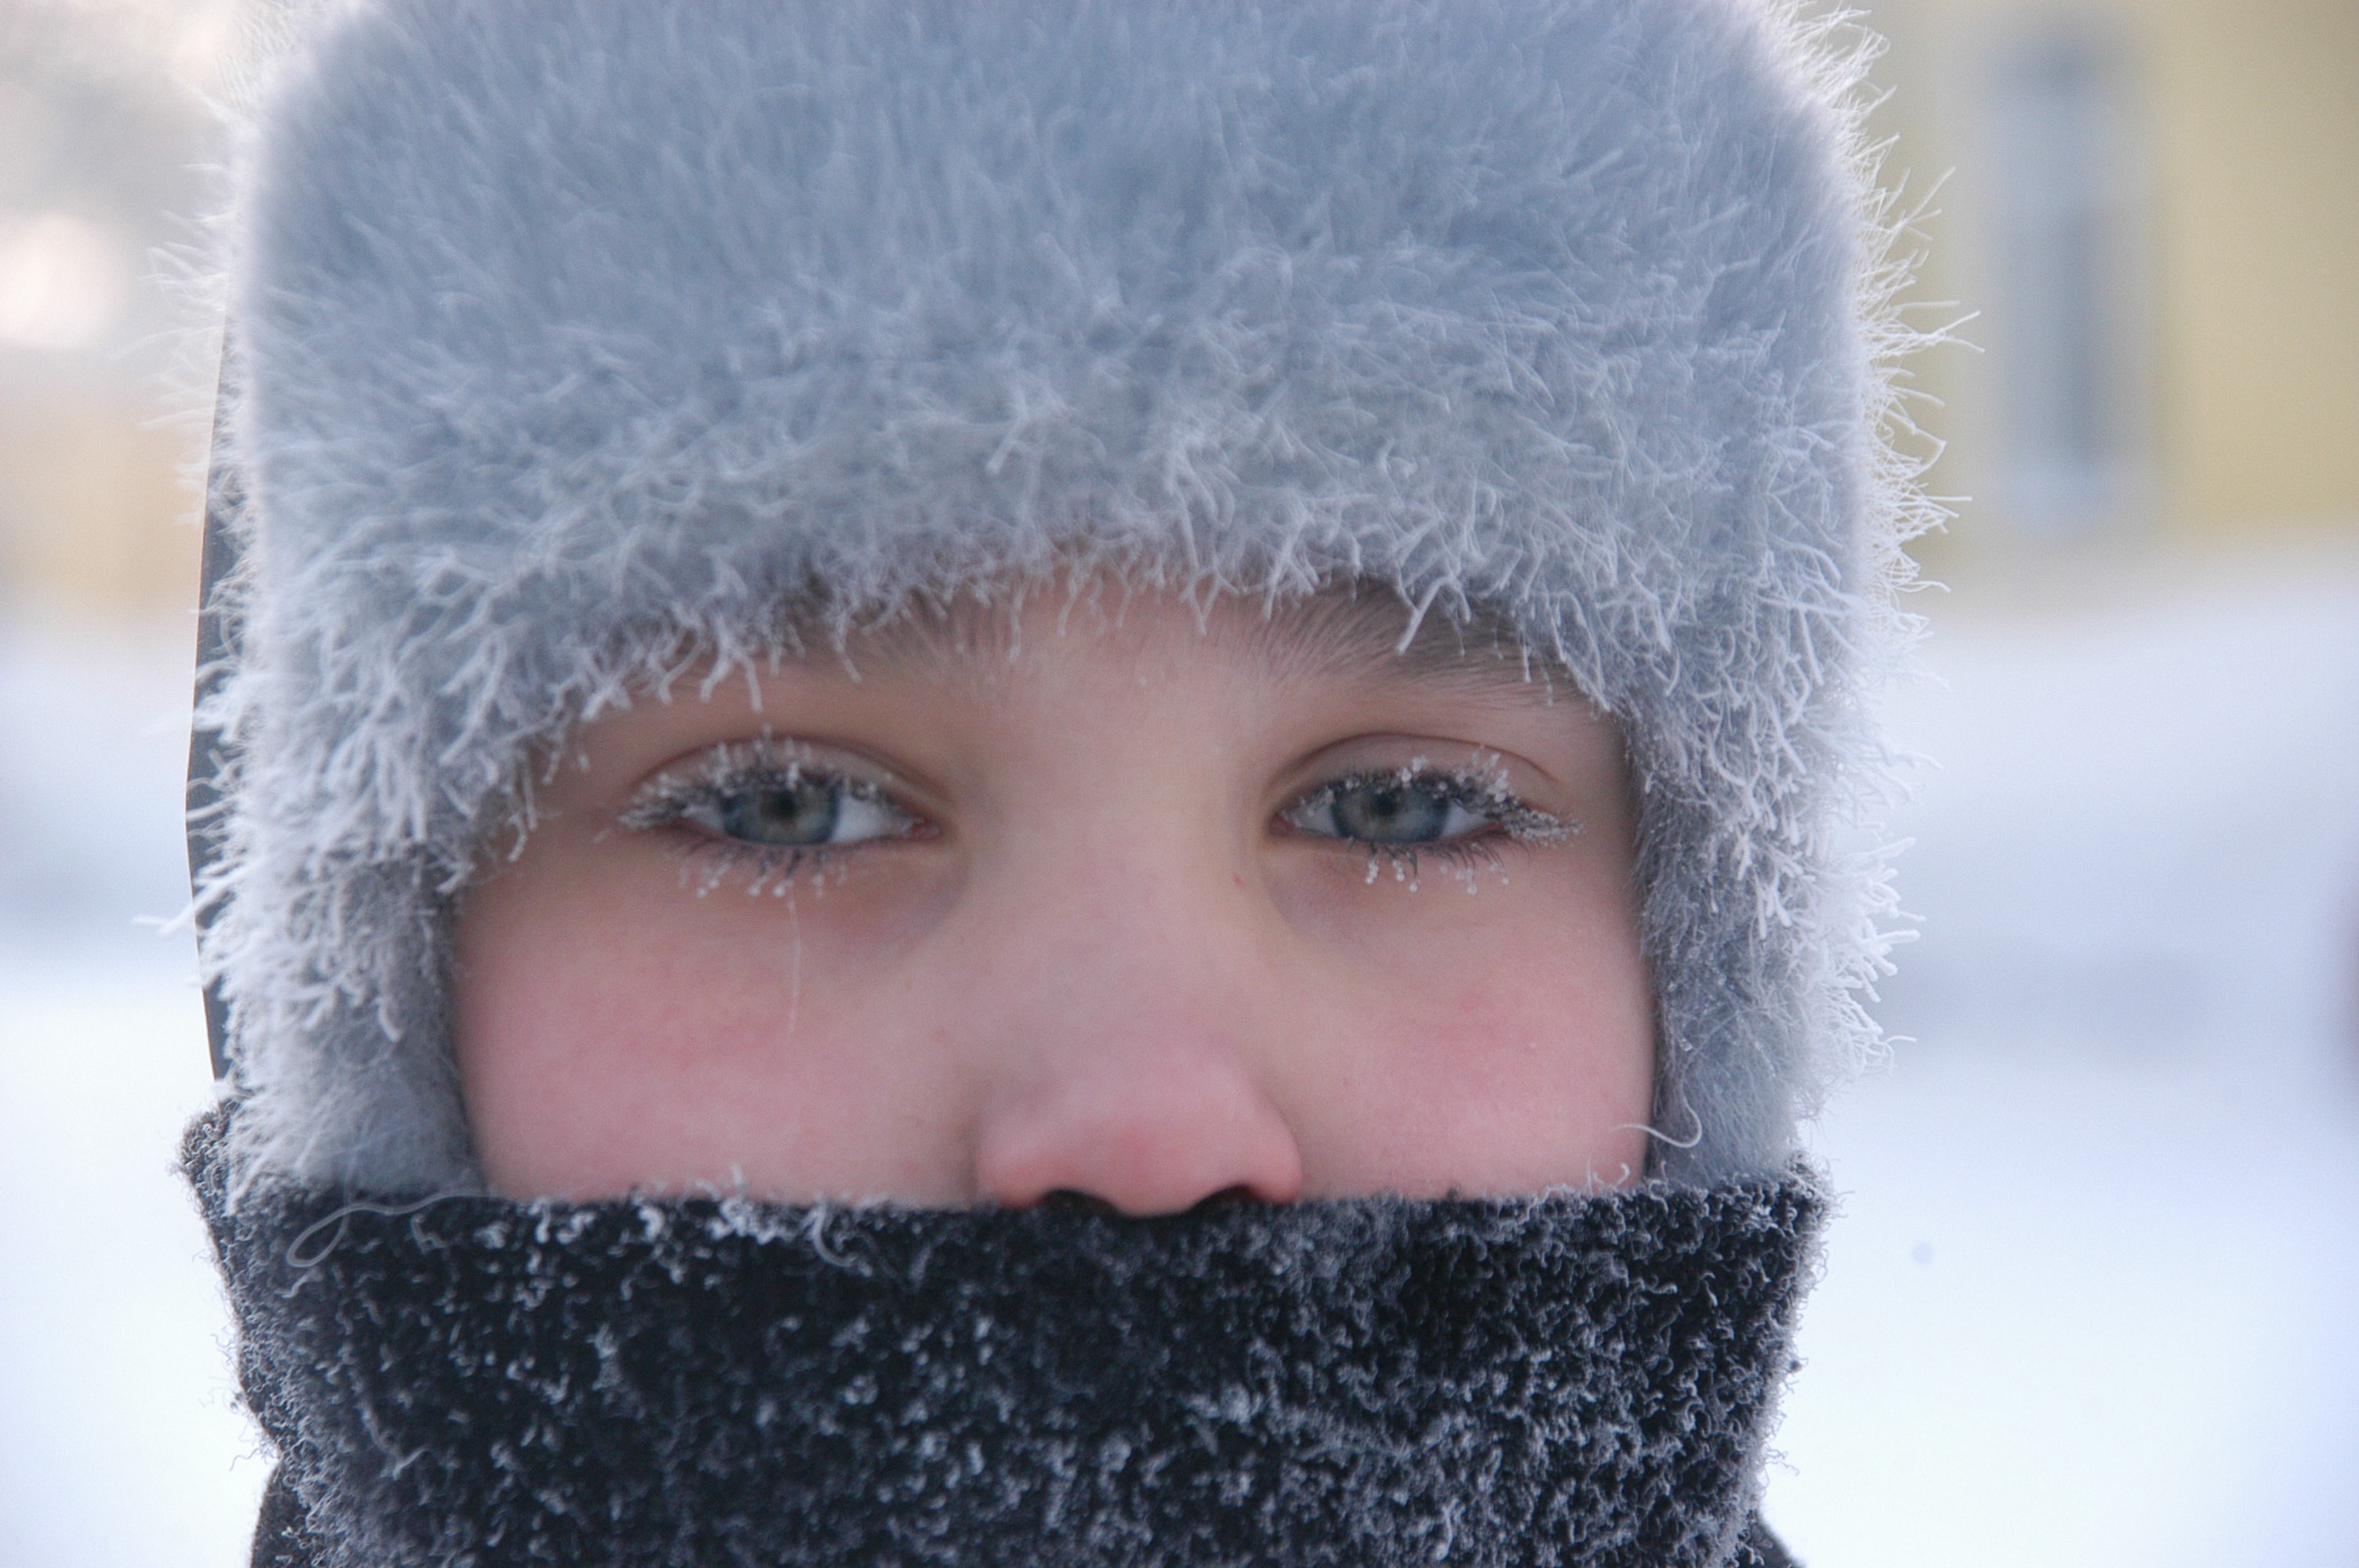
point(762, 797)
point(1399, 814)
point(801, 810)
point(1390, 809)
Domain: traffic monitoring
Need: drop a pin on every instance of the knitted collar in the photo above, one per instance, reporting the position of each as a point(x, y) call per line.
point(1565, 1379)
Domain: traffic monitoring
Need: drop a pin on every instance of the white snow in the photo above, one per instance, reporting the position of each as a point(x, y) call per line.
point(119, 1444)
point(2088, 1299)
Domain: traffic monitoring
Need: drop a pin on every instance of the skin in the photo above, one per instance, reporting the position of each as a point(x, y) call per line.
point(1103, 946)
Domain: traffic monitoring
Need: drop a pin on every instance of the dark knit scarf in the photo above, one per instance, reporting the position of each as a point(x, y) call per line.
point(475, 1383)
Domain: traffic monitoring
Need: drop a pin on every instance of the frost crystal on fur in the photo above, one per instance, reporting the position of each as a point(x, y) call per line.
point(579, 338)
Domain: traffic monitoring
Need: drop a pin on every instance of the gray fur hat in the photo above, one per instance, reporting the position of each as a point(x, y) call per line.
point(579, 339)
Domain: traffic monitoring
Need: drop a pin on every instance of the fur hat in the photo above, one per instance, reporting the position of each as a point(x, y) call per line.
point(579, 339)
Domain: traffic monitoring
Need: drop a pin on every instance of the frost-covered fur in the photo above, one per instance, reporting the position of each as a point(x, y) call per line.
point(1374, 1383)
point(577, 339)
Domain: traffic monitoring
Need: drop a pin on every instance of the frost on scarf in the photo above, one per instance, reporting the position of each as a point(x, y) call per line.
point(1559, 1381)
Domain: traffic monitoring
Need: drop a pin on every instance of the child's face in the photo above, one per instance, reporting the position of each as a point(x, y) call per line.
point(1109, 902)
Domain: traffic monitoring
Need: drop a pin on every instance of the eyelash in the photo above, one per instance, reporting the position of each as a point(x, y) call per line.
point(731, 773)
point(1480, 791)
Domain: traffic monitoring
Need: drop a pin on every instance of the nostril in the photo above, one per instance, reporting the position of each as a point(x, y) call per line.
point(1077, 1201)
point(1156, 1135)
point(1074, 1200)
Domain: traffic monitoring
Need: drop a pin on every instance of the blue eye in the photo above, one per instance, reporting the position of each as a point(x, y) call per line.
point(752, 796)
point(1389, 809)
point(801, 810)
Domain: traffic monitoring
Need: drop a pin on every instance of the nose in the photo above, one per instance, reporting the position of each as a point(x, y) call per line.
point(1147, 1126)
point(1136, 1072)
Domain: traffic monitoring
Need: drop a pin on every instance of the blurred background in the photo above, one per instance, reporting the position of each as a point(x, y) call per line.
point(2090, 1298)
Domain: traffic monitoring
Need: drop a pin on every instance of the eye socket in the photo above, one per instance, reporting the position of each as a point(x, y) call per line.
point(1390, 809)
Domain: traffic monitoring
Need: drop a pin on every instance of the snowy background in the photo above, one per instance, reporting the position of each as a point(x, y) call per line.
point(2093, 1296)
point(2090, 1298)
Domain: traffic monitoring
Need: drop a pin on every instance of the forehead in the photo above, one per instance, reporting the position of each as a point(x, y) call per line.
point(1338, 637)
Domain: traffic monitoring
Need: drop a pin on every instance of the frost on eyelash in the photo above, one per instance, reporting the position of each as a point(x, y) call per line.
point(731, 768)
point(733, 765)
point(1480, 787)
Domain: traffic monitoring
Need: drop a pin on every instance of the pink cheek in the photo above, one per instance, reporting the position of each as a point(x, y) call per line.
point(1503, 1082)
point(691, 1039)
point(1493, 1049)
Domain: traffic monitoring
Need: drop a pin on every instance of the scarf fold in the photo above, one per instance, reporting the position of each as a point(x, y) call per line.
point(472, 1380)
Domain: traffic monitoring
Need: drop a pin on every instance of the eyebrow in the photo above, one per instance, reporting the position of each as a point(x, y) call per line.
point(1360, 634)
point(1367, 635)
